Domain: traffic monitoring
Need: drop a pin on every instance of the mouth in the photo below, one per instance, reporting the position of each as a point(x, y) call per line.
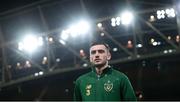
point(97, 60)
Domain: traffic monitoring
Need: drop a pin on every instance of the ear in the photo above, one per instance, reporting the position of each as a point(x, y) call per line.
point(109, 56)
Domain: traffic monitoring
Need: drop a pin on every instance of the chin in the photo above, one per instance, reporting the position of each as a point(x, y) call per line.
point(99, 65)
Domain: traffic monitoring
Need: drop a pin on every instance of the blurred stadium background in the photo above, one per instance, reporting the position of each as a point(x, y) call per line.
point(44, 45)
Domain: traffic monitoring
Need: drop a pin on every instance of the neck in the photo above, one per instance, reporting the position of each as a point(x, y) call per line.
point(100, 70)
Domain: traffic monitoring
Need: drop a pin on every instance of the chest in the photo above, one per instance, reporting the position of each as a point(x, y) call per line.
point(100, 87)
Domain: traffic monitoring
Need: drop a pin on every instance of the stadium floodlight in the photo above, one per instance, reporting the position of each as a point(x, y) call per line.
point(118, 19)
point(152, 18)
point(115, 49)
point(170, 12)
point(127, 17)
point(50, 39)
point(152, 40)
point(41, 73)
point(64, 35)
point(165, 51)
point(160, 14)
point(169, 37)
point(20, 46)
point(102, 34)
point(170, 50)
point(58, 59)
point(85, 65)
point(74, 31)
point(40, 41)
point(99, 25)
point(36, 74)
point(30, 43)
point(139, 45)
point(62, 42)
point(85, 25)
point(155, 43)
point(113, 22)
point(80, 28)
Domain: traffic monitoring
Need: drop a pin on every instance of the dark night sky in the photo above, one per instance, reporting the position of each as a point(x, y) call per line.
point(11, 4)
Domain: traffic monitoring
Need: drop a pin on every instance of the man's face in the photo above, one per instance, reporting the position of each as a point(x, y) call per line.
point(99, 55)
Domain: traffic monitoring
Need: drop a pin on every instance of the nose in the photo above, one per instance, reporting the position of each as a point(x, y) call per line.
point(96, 55)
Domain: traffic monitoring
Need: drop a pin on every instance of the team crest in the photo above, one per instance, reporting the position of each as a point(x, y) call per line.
point(108, 86)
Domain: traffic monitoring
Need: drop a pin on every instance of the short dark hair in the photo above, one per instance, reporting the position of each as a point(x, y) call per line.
point(100, 43)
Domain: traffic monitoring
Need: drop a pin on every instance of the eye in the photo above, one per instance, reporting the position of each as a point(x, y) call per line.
point(101, 51)
point(93, 52)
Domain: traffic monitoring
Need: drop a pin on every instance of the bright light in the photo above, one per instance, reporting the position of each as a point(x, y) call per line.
point(81, 51)
point(126, 18)
point(20, 46)
point(160, 14)
point(152, 40)
point(102, 34)
point(50, 39)
point(18, 64)
point(36, 74)
point(64, 35)
point(118, 19)
point(170, 50)
point(62, 42)
point(113, 22)
point(115, 49)
point(177, 37)
point(85, 65)
point(41, 73)
point(158, 43)
point(169, 37)
point(74, 31)
point(85, 25)
point(58, 59)
point(170, 12)
point(45, 58)
point(139, 45)
point(165, 51)
point(27, 64)
point(155, 43)
point(129, 42)
point(30, 43)
point(40, 41)
point(152, 18)
point(99, 25)
point(82, 27)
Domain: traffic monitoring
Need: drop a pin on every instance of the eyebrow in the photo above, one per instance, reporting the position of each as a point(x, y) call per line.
point(100, 50)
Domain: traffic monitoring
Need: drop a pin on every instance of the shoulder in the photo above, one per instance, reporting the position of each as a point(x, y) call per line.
point(84, 76)
point(119, 74)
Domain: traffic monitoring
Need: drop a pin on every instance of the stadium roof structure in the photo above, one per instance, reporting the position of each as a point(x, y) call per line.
point(147, 36)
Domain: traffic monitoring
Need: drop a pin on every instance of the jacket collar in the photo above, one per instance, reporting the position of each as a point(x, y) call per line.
point(107, 70)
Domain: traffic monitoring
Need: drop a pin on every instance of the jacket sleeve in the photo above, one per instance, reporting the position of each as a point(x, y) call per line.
point(127, 90)
point(77, 93)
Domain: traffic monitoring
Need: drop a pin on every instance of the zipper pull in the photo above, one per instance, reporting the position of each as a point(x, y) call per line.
point(98, 77)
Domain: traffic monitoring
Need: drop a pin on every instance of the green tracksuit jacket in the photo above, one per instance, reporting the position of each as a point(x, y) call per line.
point(111, 85)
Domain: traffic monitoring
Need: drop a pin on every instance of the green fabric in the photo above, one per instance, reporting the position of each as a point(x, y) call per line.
point(112, 85)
